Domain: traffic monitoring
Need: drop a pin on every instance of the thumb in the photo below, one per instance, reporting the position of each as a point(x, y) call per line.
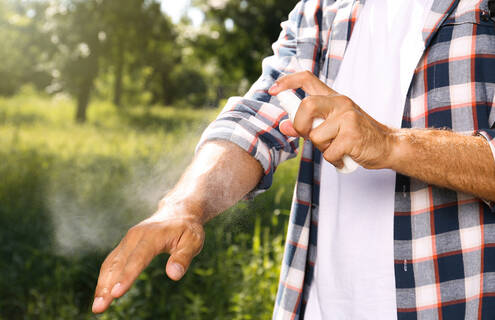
point(176, 268)
point(188, 247)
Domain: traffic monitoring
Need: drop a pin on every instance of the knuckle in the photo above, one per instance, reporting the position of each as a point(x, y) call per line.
point(134, 266)
point(329, 157)
point(313, 137)
point(105, 266)
point(346, 101)
point(109, 263)
point(196, 227)
point(319, 147)
point(332, 157)
point(307, 74)
point(190, 243)
point(317, 139)
point(102, 291)
point(114, 265)
point(196, 242)
point(133, 231)
point(198, 232)
point(344, 131)
point(198, 246)
point(350, 117)
point(347, 138)
point(308, 104)
point(297, 127)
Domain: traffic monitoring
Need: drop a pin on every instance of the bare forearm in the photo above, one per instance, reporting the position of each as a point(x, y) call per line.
point(446, 159)
point(439, 157)
point(220, 175)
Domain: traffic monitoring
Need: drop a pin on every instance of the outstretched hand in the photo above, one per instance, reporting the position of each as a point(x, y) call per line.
point(219, 176)
point(346, 130)
point(181, 236)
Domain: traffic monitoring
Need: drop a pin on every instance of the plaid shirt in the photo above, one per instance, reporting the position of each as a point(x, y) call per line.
point(444, 240)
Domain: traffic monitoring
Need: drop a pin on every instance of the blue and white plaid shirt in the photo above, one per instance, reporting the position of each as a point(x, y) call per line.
point(444, 240)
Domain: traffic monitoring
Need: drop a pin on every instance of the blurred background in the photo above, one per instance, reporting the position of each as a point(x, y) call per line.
point(101, 105)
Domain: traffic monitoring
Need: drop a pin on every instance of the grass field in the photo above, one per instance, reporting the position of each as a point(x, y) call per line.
point(69, 192)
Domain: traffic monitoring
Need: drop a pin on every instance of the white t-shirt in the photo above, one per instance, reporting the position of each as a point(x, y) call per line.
point(354, 271)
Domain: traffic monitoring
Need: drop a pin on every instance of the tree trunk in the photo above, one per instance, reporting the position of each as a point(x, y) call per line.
point(83, 98)
point(167, 94)
point(119, 74)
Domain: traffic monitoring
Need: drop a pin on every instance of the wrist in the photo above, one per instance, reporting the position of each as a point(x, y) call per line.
point(398, 142)
point(394, 145)
point(173, 207)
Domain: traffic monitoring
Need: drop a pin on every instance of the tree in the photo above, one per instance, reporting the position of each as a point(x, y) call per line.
point(75, 29)
point(241, 34)
point(94, 35)
point(66, 45)
point(21, 39)
point(136, 32)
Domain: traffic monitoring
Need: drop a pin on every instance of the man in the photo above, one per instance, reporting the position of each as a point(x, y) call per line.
point(411, 234)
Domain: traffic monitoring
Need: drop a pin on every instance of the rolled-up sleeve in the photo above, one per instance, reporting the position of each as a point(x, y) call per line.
point(252, 122)
point(489, 135)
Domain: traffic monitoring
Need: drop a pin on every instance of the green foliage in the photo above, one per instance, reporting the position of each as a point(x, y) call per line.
point(129, 51)
point(69, 192)
point(189, 87)
point(139, 38)
point(20, 48)
point(242, 34)
point(72, 44)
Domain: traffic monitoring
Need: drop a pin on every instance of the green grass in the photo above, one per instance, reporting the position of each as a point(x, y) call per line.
point(69, 192)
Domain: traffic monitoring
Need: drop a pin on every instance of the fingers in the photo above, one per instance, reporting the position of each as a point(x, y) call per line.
point(324, 107)
point(139, 259)
point(182, 239)
point(304, 80)
point(121, 268)
point(189, 245)
point(323, 135)
point(108, 271)
point(337, 150)
point(311, 108)
point(326, 138)
point(287, 128)
point(333, 137)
